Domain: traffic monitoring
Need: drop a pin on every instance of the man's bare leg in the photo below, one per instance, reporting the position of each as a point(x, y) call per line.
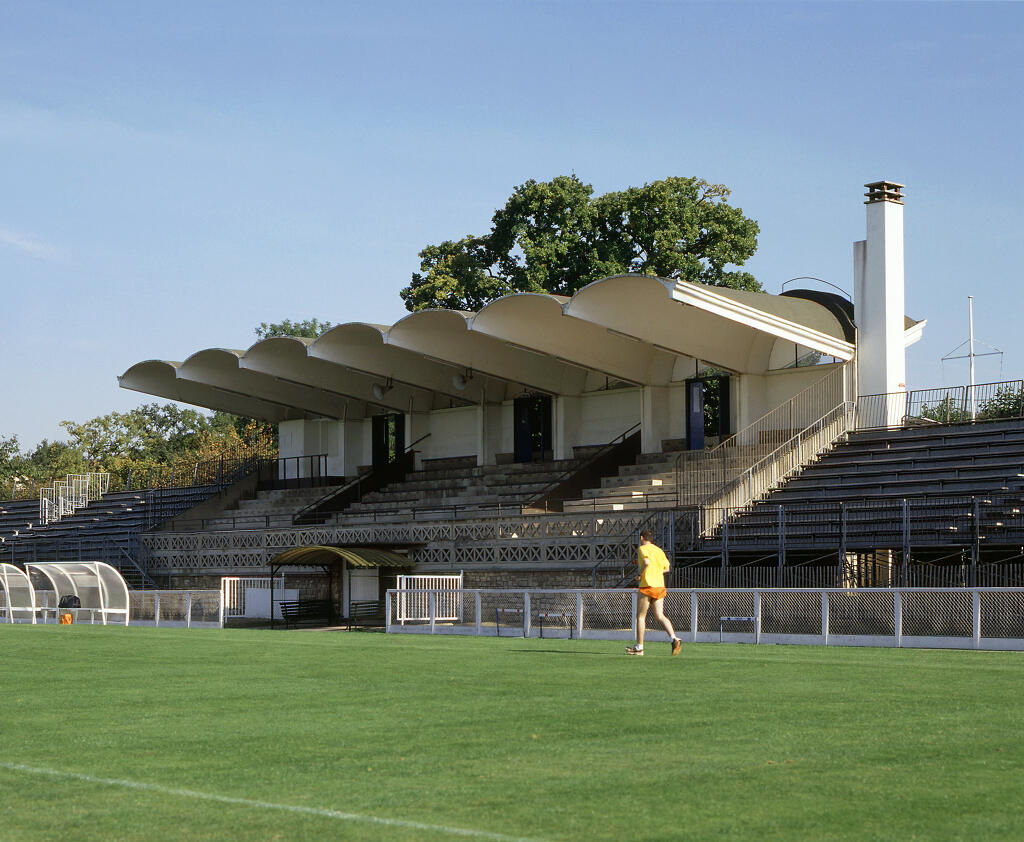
point(659, 615)
point(642, 603)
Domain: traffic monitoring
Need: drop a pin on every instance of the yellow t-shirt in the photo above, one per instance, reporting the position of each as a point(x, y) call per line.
point(653, 575)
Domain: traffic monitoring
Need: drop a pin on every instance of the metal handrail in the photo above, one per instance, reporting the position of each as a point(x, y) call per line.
point(769, 464)
point(942, 405)
point(793, 409)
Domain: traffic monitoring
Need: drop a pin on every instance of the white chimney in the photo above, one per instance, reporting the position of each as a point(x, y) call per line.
point(878, 296)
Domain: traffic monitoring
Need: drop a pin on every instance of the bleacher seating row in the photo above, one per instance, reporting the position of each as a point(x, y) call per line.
point(105, 530)
point(945, 475)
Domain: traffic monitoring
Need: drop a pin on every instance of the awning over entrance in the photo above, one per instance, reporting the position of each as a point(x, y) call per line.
point(355, 556)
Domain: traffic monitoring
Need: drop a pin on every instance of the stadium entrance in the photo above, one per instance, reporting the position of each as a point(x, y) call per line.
point(707, 410)
point(532, 416)
point(388, 439)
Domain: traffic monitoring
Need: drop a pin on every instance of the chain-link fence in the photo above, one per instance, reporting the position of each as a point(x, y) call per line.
point(960, 618)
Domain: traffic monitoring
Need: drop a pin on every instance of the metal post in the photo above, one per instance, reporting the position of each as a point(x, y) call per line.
point(188, 610)
point(387, 616)
point(781, 551)
point(156, 608)
point(757, 617)
point(579, 615)
point(976, 618)
point(842, 541)
point(476, 608)
point(693, 616)
point(725, 544)
point(432, 609)
point(976, 541)
point(906, 544)
point(824, 618)
point(897, 601)
point(526, 613)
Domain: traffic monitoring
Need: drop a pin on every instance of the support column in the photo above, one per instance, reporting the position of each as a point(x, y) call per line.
point(566, 425)
point(655, 418)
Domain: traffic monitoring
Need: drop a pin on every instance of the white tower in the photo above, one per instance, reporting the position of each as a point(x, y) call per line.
point(878, 296)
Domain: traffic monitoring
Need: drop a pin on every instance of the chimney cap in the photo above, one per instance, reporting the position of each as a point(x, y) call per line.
point(884, 191)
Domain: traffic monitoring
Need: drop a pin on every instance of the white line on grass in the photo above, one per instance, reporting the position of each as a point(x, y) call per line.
point(264, 805)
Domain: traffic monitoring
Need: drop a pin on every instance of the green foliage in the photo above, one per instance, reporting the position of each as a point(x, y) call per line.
point(557, 237)
point(1007, 402)
point(138, 446)
point(309, 328)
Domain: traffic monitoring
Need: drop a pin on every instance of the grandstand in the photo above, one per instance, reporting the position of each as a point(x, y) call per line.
point(767, 440)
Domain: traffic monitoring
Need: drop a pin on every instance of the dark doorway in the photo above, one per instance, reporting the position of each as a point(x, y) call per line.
point(532, 421)
point(388, 438)
point(707, 410)
point(695, 415)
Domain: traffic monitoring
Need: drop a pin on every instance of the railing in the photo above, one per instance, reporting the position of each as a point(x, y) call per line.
point(943, 405)
point(939, 540)
point(308, 471)
point(70, 494)
point(352, 492)
point(700, 474)
point(954, 618)
point(767, 473)
point(608, 457)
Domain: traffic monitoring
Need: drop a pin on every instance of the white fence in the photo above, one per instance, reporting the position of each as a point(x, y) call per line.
point(173, 609)
point(956, 618)
point(177, 609)
point(239, 602)
point(413, 602)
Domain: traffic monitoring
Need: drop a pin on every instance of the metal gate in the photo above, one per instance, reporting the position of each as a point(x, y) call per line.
point(413, 602)
point(233, 589)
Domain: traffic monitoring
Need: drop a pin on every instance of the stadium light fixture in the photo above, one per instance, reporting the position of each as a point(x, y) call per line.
point(461, 380)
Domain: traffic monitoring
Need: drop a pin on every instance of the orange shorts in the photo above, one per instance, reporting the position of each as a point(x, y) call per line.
point(654, 593)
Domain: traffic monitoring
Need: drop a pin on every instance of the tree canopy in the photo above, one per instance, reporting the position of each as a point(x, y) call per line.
point(145, 443)
point(557, 237)
point(310, 328)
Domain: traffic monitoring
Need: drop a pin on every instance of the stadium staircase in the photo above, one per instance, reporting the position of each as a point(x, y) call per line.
point(459, 487)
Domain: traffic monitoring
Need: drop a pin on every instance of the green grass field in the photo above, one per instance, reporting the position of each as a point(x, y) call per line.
point(152, 734)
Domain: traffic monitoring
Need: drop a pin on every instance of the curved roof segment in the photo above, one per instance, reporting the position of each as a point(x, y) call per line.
point(632, 328)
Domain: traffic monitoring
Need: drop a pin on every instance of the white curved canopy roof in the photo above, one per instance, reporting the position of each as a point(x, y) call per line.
point(98, 586)
point(630, 328)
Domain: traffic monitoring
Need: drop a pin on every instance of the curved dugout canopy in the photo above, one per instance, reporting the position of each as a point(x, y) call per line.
point(98, 586)
point(19, 595)
point(628, 328)
point(326, 556)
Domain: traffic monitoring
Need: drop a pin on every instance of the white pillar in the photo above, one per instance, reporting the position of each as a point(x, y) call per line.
point(879, 297)
point(655, 418)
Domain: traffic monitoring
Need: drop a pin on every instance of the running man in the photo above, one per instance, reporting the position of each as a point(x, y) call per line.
point(653, 566)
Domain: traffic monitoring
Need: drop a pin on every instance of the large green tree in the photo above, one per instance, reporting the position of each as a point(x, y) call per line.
point(556, 237)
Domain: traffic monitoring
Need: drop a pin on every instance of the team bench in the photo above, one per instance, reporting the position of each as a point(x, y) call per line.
point(369, 612)
point(295, 611)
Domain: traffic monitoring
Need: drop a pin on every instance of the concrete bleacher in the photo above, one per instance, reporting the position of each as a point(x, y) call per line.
point(664, 480)
point(105, 530)
point(942, 472)
point(275, 508)
point(449, 487)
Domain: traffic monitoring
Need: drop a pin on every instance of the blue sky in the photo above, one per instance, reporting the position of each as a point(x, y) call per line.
point(174, 174)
